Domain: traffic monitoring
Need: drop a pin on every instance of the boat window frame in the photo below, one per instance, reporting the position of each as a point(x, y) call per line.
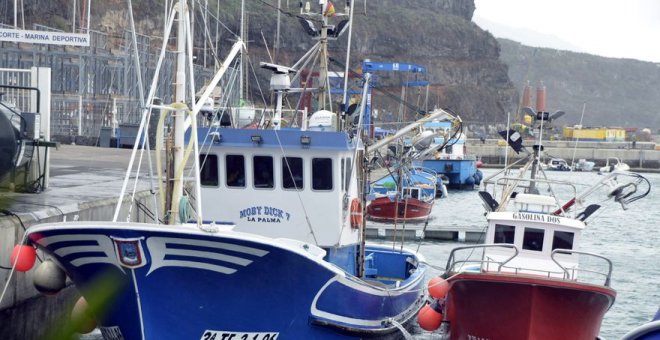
point(347, 173)
point(206, 164)
point(230, 183)
point(554, 239)
point(257, 166)
point(342, 171)
point(513, 235)
point(528, 244)
point(327, 172)
point(288, 170)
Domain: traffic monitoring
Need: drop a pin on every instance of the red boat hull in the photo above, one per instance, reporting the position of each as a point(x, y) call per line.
point(382, 209)
point(489, 306)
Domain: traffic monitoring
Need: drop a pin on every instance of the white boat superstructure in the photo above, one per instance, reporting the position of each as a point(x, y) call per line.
point(614, 164)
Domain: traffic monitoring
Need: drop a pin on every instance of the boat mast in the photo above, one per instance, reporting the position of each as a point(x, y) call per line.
point(348, 63)
point(542, 115)
point(323, 66)
point(179, 115)
point(241, 71)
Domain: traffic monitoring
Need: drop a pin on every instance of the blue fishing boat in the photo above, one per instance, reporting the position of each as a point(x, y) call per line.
point(449, 158)
point(647, 331)
point(268, 244)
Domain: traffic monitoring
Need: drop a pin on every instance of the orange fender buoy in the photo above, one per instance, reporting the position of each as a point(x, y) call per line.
point(356, 213)
point(430, 316)
point(438, 287)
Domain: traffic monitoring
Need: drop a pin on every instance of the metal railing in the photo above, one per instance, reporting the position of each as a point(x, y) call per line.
point(573, 271)
point(455, 266)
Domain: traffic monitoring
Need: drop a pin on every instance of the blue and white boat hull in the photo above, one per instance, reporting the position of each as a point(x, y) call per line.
point(461, 173)
point(185, 283)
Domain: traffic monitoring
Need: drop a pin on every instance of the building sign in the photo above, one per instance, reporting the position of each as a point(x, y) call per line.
point(43, 37)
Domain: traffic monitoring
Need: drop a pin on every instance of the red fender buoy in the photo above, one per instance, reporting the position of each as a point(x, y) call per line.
point(23, 257)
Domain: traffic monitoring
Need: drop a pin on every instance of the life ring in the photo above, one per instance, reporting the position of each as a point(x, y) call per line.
point(356, 213)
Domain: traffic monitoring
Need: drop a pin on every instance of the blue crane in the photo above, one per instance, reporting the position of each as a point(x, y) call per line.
point(369, 66)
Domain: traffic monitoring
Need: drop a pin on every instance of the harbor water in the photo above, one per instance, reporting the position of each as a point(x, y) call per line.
point(629, 238)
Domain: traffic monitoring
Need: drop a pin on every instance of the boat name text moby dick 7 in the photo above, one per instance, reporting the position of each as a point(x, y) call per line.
point(536, 217)
point(264, 214)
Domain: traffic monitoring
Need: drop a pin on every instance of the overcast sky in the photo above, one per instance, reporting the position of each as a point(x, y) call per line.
point(610, 28)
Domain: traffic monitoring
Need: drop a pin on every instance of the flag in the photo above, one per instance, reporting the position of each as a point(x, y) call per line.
point(329, 9)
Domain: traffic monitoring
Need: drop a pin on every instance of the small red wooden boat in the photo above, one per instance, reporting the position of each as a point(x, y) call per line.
point(387, 209)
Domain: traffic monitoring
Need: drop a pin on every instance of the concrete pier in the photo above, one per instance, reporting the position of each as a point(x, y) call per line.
point(432, 232)
point(85, 184)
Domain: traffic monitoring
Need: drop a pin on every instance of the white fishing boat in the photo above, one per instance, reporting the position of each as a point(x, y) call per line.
point(531, 261)
point(613, 164)
point(584, 165)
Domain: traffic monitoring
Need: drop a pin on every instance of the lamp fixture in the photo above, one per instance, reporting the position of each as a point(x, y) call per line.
point(256, 139)
point(216, 137)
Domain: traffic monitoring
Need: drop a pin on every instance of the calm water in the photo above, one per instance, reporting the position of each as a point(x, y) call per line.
point(629, 238)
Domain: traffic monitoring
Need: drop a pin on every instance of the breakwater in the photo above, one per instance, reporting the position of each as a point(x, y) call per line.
point(641, 156)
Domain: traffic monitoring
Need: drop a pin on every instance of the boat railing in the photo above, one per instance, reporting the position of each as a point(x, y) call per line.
point(454, 265)
point(543, 272)
point(452, 262)
point(505, 180)
point(570, 273)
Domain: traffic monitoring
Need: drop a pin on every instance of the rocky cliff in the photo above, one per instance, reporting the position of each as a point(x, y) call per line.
point(463, 63)
point(616, 92)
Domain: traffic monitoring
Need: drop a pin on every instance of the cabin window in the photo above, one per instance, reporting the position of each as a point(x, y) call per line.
point(292, 173)
point(533, 239)
point(562, 240)
point(504, 233)
point(342, 170)
point(208, 170)
point(322, 174)
point(235, 166)
point(411, 192)
point(263, 172)
point(347, 177)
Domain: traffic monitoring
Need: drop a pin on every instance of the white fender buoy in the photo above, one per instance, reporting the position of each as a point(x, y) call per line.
point(49, 278)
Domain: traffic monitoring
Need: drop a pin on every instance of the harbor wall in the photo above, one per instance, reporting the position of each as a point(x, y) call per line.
point(641, 156)
point(24, 312)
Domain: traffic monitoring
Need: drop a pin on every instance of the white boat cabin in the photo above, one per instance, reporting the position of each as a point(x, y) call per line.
point(289, 184)
point(455, 147)
point(536, 232)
